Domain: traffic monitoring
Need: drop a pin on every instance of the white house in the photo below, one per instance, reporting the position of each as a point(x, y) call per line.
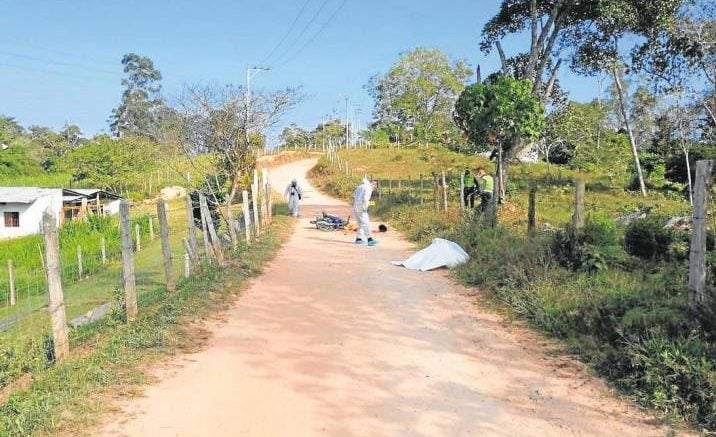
point(21, 209)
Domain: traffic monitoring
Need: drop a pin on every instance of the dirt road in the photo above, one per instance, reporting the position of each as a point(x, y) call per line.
point(333, 340)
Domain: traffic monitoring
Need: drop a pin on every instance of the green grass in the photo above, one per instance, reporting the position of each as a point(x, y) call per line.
point(31, 320)
point(111, 357)
point(26, 254)
point(555, 183)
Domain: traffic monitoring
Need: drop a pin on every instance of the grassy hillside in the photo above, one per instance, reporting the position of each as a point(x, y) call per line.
point(555, 184)
point(615, 294)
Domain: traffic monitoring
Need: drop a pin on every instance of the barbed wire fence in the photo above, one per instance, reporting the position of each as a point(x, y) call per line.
point(165, 246)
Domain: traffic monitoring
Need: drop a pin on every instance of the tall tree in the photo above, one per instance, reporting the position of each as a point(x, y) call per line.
point(215, 124)
point(139, 112)
point(586, 32)
point(418, 93)
point(500, 111)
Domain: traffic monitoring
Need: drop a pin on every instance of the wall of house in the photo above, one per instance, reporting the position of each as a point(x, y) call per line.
point(112, 208)
point(30, 215)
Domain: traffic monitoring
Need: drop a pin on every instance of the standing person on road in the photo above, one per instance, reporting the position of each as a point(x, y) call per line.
point(361, 200)
point(486, 184)
point(293, 194)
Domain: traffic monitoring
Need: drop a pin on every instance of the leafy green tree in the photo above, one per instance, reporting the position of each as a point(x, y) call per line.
point(9, 129)
point(109, 163)
point(71, 134)
point(294, 137)
point(597, 47)
point(330, 133)
point(139, 112)
point(418, 93)
point(504, 112)
point(585, 32)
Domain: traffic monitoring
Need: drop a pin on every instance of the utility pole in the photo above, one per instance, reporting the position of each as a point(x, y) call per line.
point(348, 126)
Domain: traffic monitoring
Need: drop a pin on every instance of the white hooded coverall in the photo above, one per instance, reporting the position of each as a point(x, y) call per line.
point(361, 197)
point(293, 194)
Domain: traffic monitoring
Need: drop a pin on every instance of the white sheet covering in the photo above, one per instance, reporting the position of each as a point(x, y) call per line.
point(440, 253)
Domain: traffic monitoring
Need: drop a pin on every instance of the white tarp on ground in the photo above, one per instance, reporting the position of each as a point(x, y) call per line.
point(440, 253)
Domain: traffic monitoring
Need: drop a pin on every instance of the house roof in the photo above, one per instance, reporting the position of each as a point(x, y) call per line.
point(90, 193)
point(25, 194)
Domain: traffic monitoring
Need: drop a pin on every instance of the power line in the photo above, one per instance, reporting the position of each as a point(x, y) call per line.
point(45, 71)
point(64, 64)
point(313, 38)
point(290, 29)
point(303, 31)
point(58, 52)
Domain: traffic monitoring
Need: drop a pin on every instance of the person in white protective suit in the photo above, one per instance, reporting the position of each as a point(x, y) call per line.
point(293, 194)
point(361, 200)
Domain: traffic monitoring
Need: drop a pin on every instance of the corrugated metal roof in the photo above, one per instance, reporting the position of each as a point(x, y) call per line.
point(25, 194)
point(92, 192)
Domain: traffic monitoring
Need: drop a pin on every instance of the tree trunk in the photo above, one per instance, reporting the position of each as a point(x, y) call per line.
point(632, 141)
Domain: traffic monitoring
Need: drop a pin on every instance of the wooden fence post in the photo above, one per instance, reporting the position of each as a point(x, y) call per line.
point(421, 189)
point(103, 249)
point(138, 237)
point(462, 193)
point(190, 222)
point(265, 193)
point(247, 216)
point(80, 269)
point(11, 281)
point(532, 211)
point(151, 229)
point(445, 194)
point(54, 286)
point(209, 252)
point(187, 265)
point(166, 248)
point(436, 192)
point(578, 217)
point(255, 204)
point(188, 249)
point(130, 287)
point(229, 228)
point(213, 237)
point(390, 186)
point(697, 255)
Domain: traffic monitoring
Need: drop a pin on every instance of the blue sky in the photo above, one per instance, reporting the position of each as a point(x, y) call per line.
point(59, 59)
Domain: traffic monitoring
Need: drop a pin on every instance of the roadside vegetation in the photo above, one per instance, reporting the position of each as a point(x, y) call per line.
point(616, 290)
point(114, 356)
point(616, 294)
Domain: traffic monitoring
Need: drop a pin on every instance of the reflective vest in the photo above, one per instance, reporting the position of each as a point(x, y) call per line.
point(487, 183)
point(469, 180)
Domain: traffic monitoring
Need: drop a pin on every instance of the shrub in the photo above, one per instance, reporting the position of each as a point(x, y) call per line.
point(591, 248)
point(647, 238)
point(676, 376)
